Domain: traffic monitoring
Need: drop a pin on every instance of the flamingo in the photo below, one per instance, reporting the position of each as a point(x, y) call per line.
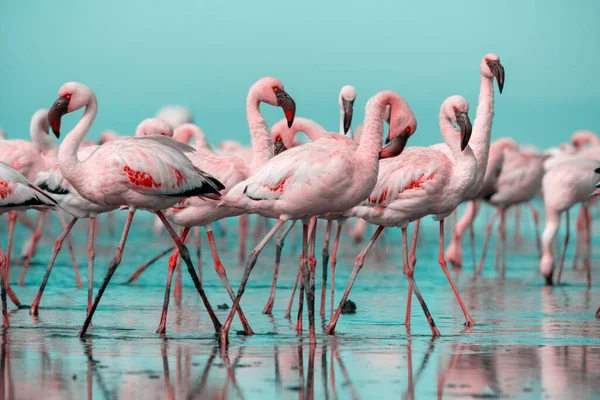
point(571, 182)
point(28, 157)
point(318, 178)
point(230, 170)
point(421, 181)
point(518, 183)
point(583, 138)
point(53, 182)
point(175, 115)
point(494, 166)
point(150, 173)
point(17, 193)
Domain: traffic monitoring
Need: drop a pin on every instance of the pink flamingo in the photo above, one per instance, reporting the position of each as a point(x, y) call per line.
point(16, 193)
point(582, 139)
point(150, 173)
point(53, 182)
point(175, 115)
point(494, 166)
point(230, 170)
point(568, 183)
point(422, 181)
point(318, 178)
point(28, 157)
point(519, 182)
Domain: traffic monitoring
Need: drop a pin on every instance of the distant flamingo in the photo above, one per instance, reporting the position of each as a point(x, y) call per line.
point(581, 139)
point(53, 182)
point(518, 183)
point(563, 186)
point(28, 158)
point(421, 181)
point(149, 173)
point(16, 193)
point(318, 178)
point(175, 115)
point(230, 170)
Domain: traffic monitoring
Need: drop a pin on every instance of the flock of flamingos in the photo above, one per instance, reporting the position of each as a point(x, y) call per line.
point(337, 175)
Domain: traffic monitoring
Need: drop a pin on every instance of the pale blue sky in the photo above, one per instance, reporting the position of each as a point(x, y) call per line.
point(138, 55)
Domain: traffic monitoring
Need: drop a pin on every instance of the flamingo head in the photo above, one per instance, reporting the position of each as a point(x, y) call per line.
point(580, 139)
point(71, 97)
point(492, 68)
point(283, 136)
point(270, 91)
point(547, 268)
point(457, 109)
point(346, 101)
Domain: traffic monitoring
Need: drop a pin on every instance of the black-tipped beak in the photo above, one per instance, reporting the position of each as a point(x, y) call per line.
point(498, 71)
point(597, 170)
point(279, 147)
point(288, 105)
point(464, 123)
point(58, 109)
point(348, 106)
point(395, 147)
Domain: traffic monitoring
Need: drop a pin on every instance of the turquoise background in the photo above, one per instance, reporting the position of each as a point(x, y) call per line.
point(138, 55)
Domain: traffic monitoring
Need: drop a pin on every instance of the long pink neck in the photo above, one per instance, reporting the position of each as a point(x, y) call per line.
point(69, 164)
point(262, 144)
point(371, 136)
point(450, 134)
point(313, 130)
point(482, 128)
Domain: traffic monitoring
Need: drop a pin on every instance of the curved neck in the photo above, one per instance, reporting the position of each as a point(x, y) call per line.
point(262, 144)
point(67, 152)
point(313, 130)
point(371, 135)
point(450, 134)
point(41, 140)
point(482, 127)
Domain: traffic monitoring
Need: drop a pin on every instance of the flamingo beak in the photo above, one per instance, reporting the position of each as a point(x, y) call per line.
point(498, 71)
point(58, 109)
point(395, 147)
point(288, 104)
point(279, 147)
point(348, 106)
point(464, 123)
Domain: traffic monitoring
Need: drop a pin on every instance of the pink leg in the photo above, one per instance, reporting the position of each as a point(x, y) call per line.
point(224, 333)
point(325, 253)
point(55, 250)
point(564, 252)
point(502, 235)
point(198, 252)
point(579, 236)
point(310, 293)
point(468, 320)
point(162, 326)
point(138, 272)
point(71, 249)
point(358, 264)
point(588, 245)
point(223, 275)
point(178, 284)
point(91, 257)
point(35, 240)
point(269, 306)
point(243, 236)
point(301, 267)
point(185, 255)
point(518, 237)
point(336, 243)
point(5, 322)
point(536, 223)
point(12, 217)
point(488, 232)
point(288, 311)
point(413, 262)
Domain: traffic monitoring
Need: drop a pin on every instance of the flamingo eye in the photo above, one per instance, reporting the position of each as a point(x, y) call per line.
point(455, 109)
point(68, 96)
point(278, 138)
point(408, 130)
point(275, 89)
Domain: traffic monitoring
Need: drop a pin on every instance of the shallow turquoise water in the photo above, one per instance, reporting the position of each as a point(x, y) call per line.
point(530, 341)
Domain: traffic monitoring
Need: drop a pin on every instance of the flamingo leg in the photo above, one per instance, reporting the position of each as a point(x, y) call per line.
point(223, 275)
point(413, 262)
point(579, 236)
point(5, 322)
point(310, 294)
point(198, 252)
point(178, 284)
point(536, 222)
point(138, 272)
point(336, 243)
point(564, 251)
point(518, 240)
point(56, 248)
point(224, 333)
point(185, 255)
point(358, 264)
point(71, 249)
point(588, 245)
point(325, 253)
point(91, 257)
point(35, 239)
point(280, 241)
point(502, 236)
point(243, 236)
point(301, 266)
point(288, 311)
point(468, 320)
point(12, 218)
point(488, 232)
point(162, 326)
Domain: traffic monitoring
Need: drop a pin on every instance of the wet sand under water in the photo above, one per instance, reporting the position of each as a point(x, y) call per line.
point(530, 341)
